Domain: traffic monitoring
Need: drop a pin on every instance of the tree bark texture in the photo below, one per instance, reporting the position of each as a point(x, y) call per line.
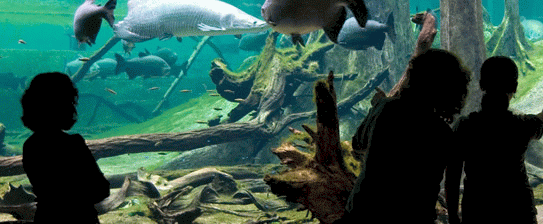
point(509, 40)
point(462, 34)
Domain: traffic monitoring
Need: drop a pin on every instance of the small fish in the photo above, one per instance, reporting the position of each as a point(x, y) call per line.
point(88, 19)
point(154, 88)
point(84, 59)
point(295, 131)
point(211, 91)
point(298, 17)
point(239, 100)
point(229, 91)
point(110, 91)
point(214, 94)
point(201, 122)
point(217, 108)
point(185, 91)
point(128, 46)
point(21, 41)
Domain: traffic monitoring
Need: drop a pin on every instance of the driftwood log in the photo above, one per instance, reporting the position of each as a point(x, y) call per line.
point(322, 183)
point(269, 98)
point(267, 123)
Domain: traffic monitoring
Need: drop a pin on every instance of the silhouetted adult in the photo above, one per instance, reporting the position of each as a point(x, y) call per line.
point(494, 142)
point(63, 173)
point(408, 139)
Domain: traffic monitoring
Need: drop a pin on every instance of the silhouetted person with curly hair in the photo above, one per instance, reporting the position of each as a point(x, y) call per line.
point(63, 173)
point(494, 141)
point(408, 140)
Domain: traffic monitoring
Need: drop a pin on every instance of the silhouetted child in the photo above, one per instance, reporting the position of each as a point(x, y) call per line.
point(408, 139)
point(494, 142)
point(60, 166)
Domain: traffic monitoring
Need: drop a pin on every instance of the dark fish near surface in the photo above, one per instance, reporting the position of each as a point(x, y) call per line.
point(297, 17)
point(88, 19)
point(147, 66)
point(354, 37)
point(9, 80)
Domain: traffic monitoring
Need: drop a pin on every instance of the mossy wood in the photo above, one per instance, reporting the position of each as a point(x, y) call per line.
point(273, 77)
point(262, 127)
point(322, 183)
point(270, 93)
point(509, 39)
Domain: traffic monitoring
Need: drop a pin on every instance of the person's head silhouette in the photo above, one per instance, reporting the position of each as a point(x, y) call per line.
point(499, 76)
point(49, 103)
point(438, 79)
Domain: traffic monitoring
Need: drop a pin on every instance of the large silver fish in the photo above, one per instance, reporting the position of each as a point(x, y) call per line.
point(88, 19)
point(163, 19)
point(297, 17)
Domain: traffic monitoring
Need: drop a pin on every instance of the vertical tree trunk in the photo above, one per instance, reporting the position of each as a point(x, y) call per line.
point(462, 34)
point(509, 40)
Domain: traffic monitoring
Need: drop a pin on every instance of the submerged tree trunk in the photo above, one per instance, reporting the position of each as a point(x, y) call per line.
point(322, 183)
point(509, 39)
point(462, 34)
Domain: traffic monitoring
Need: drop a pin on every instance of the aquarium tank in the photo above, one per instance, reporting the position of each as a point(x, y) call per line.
point(196, 110)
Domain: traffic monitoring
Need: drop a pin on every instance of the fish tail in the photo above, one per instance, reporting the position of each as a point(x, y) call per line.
point(121, 64)
point(109, 7)
point(391, 30)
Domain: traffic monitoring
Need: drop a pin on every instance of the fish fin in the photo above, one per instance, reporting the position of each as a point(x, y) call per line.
point(142, 54)
point(297, 38)
point(165, 36)
point(391, 31)
point(179, 39)
point(121, 63)
point(358, 7)
point(111, 4)
point(204, 27)
point(109, 7)
point(333, 28)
